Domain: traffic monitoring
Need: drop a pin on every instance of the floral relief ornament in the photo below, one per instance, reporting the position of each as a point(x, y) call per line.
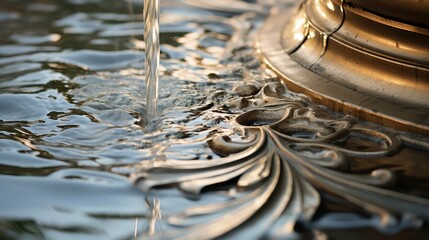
point(292, 156)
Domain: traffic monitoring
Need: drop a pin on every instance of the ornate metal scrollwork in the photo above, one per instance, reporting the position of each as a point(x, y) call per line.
point(291, 152)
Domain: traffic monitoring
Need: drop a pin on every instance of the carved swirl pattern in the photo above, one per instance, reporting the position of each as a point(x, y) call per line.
point(291, 152)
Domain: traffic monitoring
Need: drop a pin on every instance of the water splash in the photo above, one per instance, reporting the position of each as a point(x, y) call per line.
point(151, 36)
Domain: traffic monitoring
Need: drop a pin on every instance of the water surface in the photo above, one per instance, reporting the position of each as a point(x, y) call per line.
point(72, 109)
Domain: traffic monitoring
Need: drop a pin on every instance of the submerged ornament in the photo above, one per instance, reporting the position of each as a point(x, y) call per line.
point(293, 156)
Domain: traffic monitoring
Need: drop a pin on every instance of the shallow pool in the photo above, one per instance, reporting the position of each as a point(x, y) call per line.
point(73, 126)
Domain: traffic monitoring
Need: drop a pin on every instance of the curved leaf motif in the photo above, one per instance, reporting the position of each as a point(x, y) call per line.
point(291, 150)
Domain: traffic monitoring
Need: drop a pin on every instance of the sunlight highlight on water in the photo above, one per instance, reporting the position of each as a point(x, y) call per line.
point(151, 37)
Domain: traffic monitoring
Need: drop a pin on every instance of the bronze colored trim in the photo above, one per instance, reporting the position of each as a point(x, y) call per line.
point(352, 61)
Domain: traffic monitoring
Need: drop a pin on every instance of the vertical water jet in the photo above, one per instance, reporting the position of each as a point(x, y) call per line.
point(151, 37)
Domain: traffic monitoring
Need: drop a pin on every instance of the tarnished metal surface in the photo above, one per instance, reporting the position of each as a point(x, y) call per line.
point(353, 60)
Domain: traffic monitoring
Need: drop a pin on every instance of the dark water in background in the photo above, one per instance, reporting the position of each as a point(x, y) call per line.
point(72, 122)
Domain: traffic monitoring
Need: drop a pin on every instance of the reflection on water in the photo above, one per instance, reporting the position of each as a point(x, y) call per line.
point(72, 110)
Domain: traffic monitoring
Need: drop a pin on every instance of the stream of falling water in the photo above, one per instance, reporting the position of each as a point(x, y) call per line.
point(151, 37)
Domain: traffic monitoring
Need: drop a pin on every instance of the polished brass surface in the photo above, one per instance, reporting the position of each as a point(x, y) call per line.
point(355, 57)
point(409, 11)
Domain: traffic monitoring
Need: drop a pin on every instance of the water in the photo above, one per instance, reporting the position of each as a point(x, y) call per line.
point(151, 37)
point(72, 111)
